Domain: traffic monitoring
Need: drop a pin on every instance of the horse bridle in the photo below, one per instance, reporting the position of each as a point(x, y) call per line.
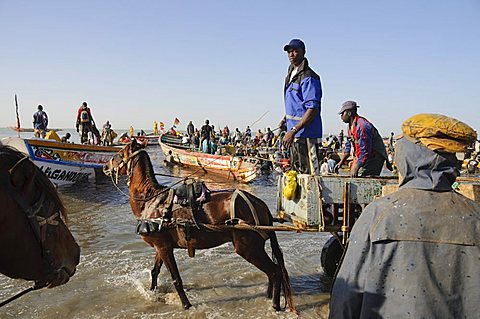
point(38, 224)
point(121, 161)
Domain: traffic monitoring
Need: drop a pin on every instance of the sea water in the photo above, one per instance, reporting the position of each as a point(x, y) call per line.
point(113, 277)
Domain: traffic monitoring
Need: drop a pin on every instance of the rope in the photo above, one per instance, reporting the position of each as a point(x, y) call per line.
point(35, 287)
point(153, 196)
point(116, 186)
point(166, 175)
point(259, 118)
point(48, 221)
point(11, 170)
point(179, 222)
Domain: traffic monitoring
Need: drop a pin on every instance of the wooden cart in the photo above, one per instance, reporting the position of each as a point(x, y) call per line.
point(333, 204)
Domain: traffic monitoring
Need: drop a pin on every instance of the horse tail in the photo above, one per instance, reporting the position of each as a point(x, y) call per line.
point(278, 256)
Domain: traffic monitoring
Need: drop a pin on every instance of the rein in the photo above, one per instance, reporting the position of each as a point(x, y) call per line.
point(35, 287)
point(131, 161)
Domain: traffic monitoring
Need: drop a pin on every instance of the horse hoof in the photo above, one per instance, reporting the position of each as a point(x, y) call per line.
point(277, 307)
point(187, 306)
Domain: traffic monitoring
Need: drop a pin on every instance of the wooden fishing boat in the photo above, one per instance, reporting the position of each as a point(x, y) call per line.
point(64, 163)
point(151, 140)
point(239, 168)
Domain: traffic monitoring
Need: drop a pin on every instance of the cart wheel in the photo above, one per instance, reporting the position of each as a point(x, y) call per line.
point(331, 255)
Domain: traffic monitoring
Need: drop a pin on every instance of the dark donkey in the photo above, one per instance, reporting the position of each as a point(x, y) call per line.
point(35, 243)
point(171, 225)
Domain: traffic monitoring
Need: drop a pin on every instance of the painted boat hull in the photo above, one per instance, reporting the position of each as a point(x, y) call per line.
point(232, 167)
point(64, 163)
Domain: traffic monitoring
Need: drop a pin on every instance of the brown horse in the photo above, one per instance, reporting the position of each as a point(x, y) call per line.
point(175, 226)
point(35, 243)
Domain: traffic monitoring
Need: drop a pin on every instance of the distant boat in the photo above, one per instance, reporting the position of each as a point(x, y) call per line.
point(240, 168)
point(23, 129)
point(150, 139)
point(64, 163)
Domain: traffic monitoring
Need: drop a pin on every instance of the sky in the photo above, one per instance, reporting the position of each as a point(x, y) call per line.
point(139, 61)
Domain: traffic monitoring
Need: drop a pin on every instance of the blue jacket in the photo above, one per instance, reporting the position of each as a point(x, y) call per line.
point(302, 93)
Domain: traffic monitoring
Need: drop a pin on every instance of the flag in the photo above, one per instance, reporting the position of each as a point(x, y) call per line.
point(176, 122)
point(16, 111)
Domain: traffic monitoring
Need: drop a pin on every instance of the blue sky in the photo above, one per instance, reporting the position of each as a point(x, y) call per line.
point(139, 61)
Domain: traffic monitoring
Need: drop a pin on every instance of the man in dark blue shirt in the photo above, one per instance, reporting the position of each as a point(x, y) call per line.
point(40, 122)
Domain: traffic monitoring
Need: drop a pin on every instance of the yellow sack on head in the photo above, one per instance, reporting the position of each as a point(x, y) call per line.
point(291, 187)
point(439, 132)
point(52, 135)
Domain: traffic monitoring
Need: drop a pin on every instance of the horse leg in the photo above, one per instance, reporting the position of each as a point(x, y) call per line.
point(270, 289)
point(251, 246)
point(169, 260)
point(155, 271)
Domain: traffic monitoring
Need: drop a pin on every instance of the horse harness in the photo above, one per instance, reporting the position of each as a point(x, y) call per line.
point(192, 194)
point(37, 223)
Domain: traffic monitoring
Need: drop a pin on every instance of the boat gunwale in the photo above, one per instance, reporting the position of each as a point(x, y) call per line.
point(71, 146)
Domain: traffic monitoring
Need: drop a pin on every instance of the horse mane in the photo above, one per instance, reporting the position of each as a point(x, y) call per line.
point(10, 156)
point(153, 187)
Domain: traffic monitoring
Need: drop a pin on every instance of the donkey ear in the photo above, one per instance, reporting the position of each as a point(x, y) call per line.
point(23, 174)
point(134, 143)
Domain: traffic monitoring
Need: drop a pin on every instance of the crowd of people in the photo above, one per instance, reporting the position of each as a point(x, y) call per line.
point(267, 145)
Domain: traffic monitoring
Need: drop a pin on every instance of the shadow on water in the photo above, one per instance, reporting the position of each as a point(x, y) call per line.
point(311, 284)
point(301, 285)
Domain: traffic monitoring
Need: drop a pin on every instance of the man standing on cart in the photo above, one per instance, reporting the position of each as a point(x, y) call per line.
point(368, 147)
point(303, 94)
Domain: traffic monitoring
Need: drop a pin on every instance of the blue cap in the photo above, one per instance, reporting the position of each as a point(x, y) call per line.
point(294, 44)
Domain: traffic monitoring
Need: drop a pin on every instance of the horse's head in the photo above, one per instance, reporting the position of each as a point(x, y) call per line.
point(120, 162)
point(40, 245)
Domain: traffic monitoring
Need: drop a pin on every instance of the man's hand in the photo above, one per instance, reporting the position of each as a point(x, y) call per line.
point(354, 170)
point(288, 139)
point(337, 167)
